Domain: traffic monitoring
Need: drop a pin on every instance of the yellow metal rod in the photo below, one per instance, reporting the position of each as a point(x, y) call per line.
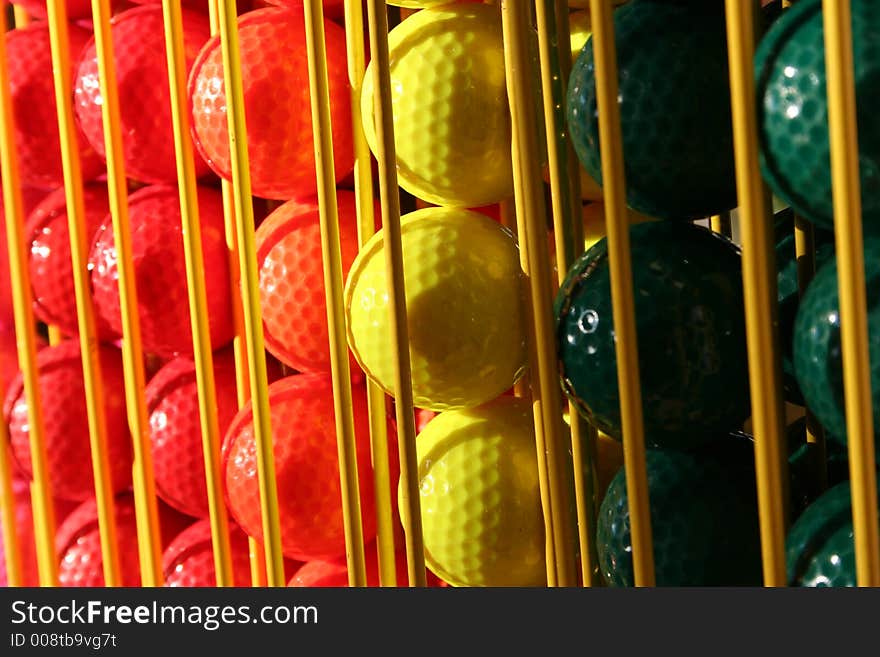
point(759, 287)
point(256, 553)
point(410, 506)
point(195, 285)
point(328, 211)
point(54, 334)
point(532, 227)
point(8, 520)
point(552, 20)
point(720, 223)
point(147, 516)
point(19, 274)
point(250, 289)
point(85, 312)
point(845, 180)
point(617, 224)
point(522, 388)
point(20, 16)
point(363, 189)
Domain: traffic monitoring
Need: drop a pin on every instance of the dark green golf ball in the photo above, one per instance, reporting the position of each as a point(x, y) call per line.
point(793, 109)
point(691, 335)
point(817, 351)
point(704, 519)
point(787, 292)
point(674, 108)
point(819, 548)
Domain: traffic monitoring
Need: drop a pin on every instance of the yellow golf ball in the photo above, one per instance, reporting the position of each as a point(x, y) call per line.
point(450, 108)
point(464, 306)
point(479, 494)
point(580, 29)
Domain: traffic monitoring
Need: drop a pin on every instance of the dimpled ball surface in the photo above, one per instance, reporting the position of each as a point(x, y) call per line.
point(176, 429)
point(276, 97)
point(65, 422)
point(144, 98)
point(78, 542)
point(691, 335)
point(160, 270)
point(820, 550)
point(464, 304)
point(451, 115)
point(793, 110)
point(306, 467)
point(37, 143)
point(49, 258)
point(479, 494)
point(817, 349)
point(189, 558)
point(703, 519)
point(292, 280)
point(678, 151)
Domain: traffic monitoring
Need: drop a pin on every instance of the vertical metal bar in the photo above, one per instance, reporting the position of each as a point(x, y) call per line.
point(552, 21)
point(759, 288)
point(363, 189)
point(195, 285)
point(85, 312)
point(846, 190)
point(532, 223)
point(19, 275)
point(319, 88)
point(250, 289)
point(617, 223)
point(410, 506)
point(256, 552)
point(522, 388)
point(149, 538)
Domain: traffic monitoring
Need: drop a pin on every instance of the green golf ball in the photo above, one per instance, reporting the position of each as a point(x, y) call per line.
point(793, 109)
point(703, 519)
point(674, 103)
point(817, 348)
point(691, 335)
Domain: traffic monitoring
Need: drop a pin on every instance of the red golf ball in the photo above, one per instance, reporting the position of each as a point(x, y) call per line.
point(306, 467)
point(50, 265)
point(292, 280)
point(78, 541)
point(189, 559)
point(24, 525)
point(160, 271)
point(65, 424)
point(144, 100)
point(276, 97)
point(33, 105)
point(176, 428)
